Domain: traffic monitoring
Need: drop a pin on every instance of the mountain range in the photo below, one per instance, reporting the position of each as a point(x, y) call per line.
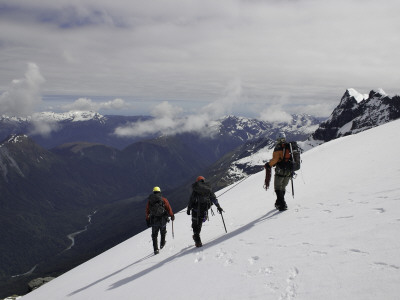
point(338, 239)
point(355, 113)
point(48, 193)
point(49, 189)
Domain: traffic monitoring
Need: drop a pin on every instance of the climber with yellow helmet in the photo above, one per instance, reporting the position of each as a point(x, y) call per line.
point(158, 211)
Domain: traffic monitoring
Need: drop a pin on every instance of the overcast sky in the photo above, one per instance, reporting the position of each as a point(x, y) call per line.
point(247, 57)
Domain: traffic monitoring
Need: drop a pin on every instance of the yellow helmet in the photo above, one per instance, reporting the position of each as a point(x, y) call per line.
point(156, 189)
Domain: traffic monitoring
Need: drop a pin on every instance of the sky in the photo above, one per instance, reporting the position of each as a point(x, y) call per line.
point(252, 58)
point(339, 238)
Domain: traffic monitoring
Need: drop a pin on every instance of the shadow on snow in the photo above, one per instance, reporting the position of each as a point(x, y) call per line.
point(181, 253)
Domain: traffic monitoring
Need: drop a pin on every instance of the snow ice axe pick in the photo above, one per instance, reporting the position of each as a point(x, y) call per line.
point(173, 236)
point(291, 175)
point(223, 221)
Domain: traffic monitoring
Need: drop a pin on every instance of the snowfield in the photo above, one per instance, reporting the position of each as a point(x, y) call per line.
point(340, 238)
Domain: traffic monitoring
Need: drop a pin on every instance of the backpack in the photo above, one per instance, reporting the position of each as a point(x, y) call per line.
point(203, 193)
point(156, 205)
point(291, 156)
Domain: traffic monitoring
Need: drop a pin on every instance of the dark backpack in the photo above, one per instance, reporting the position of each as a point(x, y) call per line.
point(156, 205)
point(291, 156)
point(203, 193)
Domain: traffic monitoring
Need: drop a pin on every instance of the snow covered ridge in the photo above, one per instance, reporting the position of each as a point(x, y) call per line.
point(360, 97)
point(254, 128)
point(356, 113)
point(338, 239)
point(356, 95)
point(72, 116)
point(14, 139)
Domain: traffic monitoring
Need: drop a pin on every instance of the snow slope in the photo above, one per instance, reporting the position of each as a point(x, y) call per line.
point(340, 238)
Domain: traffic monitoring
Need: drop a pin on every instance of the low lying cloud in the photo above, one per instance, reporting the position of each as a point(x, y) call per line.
point(43, 127)
point(275, 114)
point(168, 119)
point(86, 104)
point(23, 95)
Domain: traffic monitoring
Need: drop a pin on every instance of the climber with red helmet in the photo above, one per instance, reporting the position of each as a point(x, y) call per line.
point(201, 199)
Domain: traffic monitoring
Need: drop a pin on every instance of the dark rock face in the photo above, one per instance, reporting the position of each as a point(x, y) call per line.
point(38, 282)
point(352, 116)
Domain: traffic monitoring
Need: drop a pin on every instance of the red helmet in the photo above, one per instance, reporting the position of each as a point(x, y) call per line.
point(200, 178)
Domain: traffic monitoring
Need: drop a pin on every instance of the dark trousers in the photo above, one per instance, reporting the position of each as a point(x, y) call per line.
point(154, 234)
point(198, 217)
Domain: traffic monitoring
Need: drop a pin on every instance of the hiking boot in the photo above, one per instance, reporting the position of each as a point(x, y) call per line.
point(280, 203)
point(281, 207)
point(156, 251)
point(162, 244)
point(155, 246)
point(197, 240)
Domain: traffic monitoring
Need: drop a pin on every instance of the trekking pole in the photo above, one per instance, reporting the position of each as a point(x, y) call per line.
point(291, 175)
point(223, 221)
point(173, 236)
point(291, 180)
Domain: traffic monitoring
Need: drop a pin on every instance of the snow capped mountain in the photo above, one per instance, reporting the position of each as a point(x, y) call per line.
point(338, 240)
point(356, 113)
point(73, 116)
point(356, 95)
point(15, 139)
point(301, 126)
point(50, 129)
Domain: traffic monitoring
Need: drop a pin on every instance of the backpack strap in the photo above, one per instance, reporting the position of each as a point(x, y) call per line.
point(283, 151)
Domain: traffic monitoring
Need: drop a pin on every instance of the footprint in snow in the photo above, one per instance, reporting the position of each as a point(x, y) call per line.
point(380, 210)
point(266, 271)
point(253, 259)
point(220, 254)
point(320, 252)
point(228, 262)
point(358, 251)
point(290, 292)
point(382, 264)
point(199, 257)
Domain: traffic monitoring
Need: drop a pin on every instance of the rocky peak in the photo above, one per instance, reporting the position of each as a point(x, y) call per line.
point(354, 114)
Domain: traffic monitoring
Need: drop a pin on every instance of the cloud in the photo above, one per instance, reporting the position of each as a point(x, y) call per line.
point(168, 119)
point(43, 127)
point(187, 50)
point(86, 104)
point(275, 114)
point(23, 95)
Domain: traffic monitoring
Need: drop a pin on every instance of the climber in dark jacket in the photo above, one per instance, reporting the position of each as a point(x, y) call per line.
point(201, 199)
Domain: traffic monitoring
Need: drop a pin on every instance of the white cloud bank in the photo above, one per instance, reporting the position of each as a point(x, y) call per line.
point(275, 114)
point(168, 119)
point(86, 104)
point(306, 51)
point(22, 96)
